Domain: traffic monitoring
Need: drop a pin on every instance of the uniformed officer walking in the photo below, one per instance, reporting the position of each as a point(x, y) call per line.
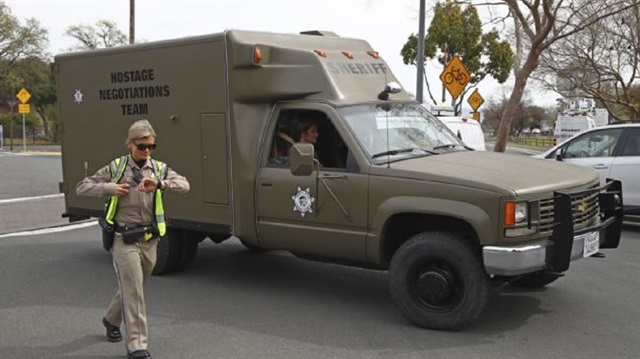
point(134, 216)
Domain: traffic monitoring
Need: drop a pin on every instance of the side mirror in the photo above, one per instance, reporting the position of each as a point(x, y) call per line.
point(301, 159)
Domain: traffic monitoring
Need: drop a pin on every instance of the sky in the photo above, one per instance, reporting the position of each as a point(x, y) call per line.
point(385, 24)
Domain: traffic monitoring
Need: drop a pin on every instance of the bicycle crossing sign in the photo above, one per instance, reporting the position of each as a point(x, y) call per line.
point(475, 100)
point(455, 77)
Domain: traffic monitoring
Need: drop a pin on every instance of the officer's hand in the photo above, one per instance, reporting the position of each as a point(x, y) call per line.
point(148, 185)
point(122, 189)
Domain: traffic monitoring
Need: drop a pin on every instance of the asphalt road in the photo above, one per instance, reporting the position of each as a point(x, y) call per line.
point(232, 303)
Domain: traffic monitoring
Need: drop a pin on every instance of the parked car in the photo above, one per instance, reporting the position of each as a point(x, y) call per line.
point(613, 151)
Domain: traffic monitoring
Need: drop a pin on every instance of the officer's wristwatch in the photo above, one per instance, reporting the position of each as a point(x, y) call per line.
point(159, 185)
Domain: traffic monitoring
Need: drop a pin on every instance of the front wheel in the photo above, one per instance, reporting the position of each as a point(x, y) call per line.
point(438, 281)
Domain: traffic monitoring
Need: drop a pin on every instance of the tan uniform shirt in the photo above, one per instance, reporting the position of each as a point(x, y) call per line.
point(136, 207)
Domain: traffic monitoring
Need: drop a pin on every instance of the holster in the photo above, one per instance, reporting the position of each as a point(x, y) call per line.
point(108, 233)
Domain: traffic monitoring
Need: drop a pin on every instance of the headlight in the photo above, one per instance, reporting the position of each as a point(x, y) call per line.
point(517, 220)
point(515, 213)
point(522, 212)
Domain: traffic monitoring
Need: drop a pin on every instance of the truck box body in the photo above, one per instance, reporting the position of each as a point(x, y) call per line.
point(190, 88)
point(386, 185)
point(568, 126)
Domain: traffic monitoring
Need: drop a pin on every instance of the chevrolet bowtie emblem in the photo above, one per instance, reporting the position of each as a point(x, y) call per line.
point(582, 207)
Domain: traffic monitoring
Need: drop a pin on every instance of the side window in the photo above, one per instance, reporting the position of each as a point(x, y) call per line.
point(307, 126)
point(593, 144)
point(632, 146)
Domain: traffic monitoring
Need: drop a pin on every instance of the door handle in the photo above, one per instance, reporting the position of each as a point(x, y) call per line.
point(331, 176)
point(600, 166)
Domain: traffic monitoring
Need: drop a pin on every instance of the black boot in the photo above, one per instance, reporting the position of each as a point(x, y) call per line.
point(113, 332)
point(139, 354)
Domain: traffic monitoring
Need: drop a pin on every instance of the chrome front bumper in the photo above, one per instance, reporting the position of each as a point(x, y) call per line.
point(516, 260)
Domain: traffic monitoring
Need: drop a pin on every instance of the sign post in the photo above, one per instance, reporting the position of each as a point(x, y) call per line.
point(24, 108)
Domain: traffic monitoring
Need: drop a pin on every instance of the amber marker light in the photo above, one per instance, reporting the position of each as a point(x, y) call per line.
point(373, 54)
point(348, 54)
point(510, 213)
point(257, 55)
point(320, 52)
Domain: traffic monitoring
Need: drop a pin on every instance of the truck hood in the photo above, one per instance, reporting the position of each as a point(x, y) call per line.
point(494, 171)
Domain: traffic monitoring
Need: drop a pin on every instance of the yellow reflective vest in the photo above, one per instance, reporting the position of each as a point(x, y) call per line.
point(117, 167)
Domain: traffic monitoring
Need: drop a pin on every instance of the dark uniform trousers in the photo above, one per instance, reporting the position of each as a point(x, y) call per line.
point(133, 264)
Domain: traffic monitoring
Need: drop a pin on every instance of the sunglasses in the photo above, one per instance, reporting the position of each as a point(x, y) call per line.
point(142, 146)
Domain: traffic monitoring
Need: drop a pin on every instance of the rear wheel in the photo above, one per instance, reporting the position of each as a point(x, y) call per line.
point(438, 281)
point(190, 241)
point(169, 252)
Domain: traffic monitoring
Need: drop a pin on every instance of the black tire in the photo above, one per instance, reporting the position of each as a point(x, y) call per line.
point(534, 280)
point(169, 252)
point(190, 242)
point(438, 281)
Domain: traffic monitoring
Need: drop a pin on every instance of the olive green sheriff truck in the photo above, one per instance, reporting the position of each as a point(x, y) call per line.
point(386, 186)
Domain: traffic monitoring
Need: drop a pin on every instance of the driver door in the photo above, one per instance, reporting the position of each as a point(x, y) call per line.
point(323, 214)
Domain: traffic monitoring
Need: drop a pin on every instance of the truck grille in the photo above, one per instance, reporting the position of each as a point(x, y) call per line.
point(584, 207)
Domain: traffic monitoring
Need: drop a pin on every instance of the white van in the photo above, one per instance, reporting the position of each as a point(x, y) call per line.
point(467, 129)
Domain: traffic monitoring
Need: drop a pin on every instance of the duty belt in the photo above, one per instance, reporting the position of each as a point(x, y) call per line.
point(123, 228)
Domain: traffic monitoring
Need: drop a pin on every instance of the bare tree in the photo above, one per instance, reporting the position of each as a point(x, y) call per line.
point(538, 25)
point(602, 62)
point(104, 34)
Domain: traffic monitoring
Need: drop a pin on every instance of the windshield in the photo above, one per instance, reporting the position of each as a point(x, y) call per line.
point(406, 130)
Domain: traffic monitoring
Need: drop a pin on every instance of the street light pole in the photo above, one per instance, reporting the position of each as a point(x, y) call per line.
point(132, 21)
point(420, 58)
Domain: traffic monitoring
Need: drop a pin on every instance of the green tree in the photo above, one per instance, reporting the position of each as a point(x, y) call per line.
point(458, 30)
point(103, 34)
point(528, 116)
point(19, 41)
point(37, 77)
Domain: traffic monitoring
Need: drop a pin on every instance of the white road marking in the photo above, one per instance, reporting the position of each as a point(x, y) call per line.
point(49, 230)
point(25, 199)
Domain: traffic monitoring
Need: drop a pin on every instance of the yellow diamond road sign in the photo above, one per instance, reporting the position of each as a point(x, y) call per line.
point(23, 95)
point(455, 77)
point(475, 100)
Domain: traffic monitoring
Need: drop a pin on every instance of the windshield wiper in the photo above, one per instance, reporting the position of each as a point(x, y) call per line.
point(451, 145)
point(404, 150)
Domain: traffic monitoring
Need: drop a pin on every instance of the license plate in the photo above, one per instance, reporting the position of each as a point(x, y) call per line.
point(591, 244)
